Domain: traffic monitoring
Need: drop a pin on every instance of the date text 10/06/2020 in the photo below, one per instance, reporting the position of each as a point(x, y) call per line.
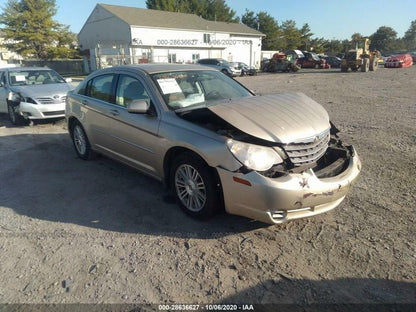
point(206, 307)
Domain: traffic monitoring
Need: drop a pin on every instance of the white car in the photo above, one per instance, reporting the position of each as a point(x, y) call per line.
point(28, 93)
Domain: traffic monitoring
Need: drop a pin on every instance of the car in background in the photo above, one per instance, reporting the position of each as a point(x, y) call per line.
point(413, 54)
point(246, 70)
point(399, 61)
point(310, 60)
point(30, 93)
point(223, 66)
point(213, 142)
point(334, 61)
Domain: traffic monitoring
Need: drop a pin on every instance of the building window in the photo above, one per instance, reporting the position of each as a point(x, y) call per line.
point(195, 58)
point(207, 38)
point(172, 58)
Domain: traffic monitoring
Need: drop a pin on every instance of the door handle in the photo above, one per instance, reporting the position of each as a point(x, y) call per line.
point(84, 102)
point(114, 112)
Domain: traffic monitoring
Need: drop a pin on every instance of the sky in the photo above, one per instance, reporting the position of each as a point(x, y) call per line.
point(330, 19)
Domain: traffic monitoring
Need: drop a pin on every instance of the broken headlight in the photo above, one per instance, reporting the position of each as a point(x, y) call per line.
point(256, 157)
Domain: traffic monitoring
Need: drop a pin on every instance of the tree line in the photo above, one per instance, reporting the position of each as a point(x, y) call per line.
point(29, 29)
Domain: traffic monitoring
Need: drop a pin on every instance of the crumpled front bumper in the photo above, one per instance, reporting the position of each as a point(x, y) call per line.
point(292, 196)
point(41, 111)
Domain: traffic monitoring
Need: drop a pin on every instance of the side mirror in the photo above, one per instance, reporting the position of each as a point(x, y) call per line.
point(68, 80)
point(138, 107)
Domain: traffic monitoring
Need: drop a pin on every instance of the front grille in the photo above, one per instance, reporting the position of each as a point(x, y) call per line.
point(50, 100)
point(54, 113)
point(303, 153)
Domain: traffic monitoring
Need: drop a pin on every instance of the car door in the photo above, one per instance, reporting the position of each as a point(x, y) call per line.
point(135, 135)
point(97, 106)
point(4, 91)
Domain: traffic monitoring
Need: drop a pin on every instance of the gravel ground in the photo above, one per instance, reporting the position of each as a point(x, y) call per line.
point(98, 232)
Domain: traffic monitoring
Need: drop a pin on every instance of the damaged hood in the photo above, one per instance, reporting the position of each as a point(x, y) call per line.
point(280, 118)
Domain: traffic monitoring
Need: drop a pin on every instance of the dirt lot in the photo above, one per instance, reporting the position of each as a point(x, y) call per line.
point(98, 232)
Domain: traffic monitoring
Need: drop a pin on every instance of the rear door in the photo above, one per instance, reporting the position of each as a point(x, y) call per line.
point(4, 92)
point(97, 105)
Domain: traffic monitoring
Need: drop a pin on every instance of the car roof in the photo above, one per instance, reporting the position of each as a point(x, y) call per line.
point(27, 68)
point(157, 68)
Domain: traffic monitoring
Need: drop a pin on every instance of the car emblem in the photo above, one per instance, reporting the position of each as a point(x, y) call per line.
point(56, 97)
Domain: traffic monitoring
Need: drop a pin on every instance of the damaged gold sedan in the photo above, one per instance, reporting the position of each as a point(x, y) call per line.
point(214, 143)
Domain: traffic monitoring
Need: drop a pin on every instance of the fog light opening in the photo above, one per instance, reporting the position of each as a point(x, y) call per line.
point(279, 214)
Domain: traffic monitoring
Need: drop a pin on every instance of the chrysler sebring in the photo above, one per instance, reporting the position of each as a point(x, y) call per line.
point(213, 142)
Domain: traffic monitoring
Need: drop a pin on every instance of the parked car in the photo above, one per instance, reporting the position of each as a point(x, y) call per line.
point(246, 70)
point(334, 61)
point(225, 67)
point(29, 93)
point(399, 61)
point(310, 60)
point(214, 143)
point(413, 54)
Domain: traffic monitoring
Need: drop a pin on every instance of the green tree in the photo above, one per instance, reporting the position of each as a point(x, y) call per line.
point(29, 28)
point(213, 10)
point(305, 37)
point(410, 36)
point(292, 36)
point(384, 39)
point(334, 46)
point(266, 24)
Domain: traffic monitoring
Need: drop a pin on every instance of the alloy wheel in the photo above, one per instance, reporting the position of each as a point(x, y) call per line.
point(80, 140)
point(190, 188)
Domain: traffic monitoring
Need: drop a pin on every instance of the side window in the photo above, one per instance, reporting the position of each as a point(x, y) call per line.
point(100, 88)
point(3, 78)
point(130, 89)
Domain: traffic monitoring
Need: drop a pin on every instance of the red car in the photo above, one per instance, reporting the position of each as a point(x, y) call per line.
point(311, 60)
point(399, 61)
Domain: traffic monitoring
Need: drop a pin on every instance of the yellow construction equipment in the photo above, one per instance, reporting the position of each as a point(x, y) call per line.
point(360, 57)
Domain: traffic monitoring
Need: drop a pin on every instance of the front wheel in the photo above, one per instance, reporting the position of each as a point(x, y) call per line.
point(14, 117)
point(81, 143)
point(195, 186)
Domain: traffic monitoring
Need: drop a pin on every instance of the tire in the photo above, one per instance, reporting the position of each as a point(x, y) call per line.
point(14, 117)
point(374, 64)
point(365, 65)
point(195, 186)
point(81, 143)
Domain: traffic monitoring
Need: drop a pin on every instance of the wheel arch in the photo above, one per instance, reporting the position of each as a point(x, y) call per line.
point(174, 152)
point(71, 122)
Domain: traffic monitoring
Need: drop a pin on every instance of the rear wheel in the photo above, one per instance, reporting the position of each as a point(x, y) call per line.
point(81, 143)
point(195, 186)
point(374, 64)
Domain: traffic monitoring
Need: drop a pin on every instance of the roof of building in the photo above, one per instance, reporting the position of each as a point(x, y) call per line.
point(174, 20)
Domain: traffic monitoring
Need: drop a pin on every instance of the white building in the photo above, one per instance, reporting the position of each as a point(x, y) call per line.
point(115, 35)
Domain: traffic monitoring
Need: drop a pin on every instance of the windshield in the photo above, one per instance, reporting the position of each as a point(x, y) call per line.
point(34, 77)
point(197, 88)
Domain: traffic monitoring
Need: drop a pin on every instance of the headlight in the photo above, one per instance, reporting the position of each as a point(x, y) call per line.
point(15, 97)
point(256, 157)
point(18, 97)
